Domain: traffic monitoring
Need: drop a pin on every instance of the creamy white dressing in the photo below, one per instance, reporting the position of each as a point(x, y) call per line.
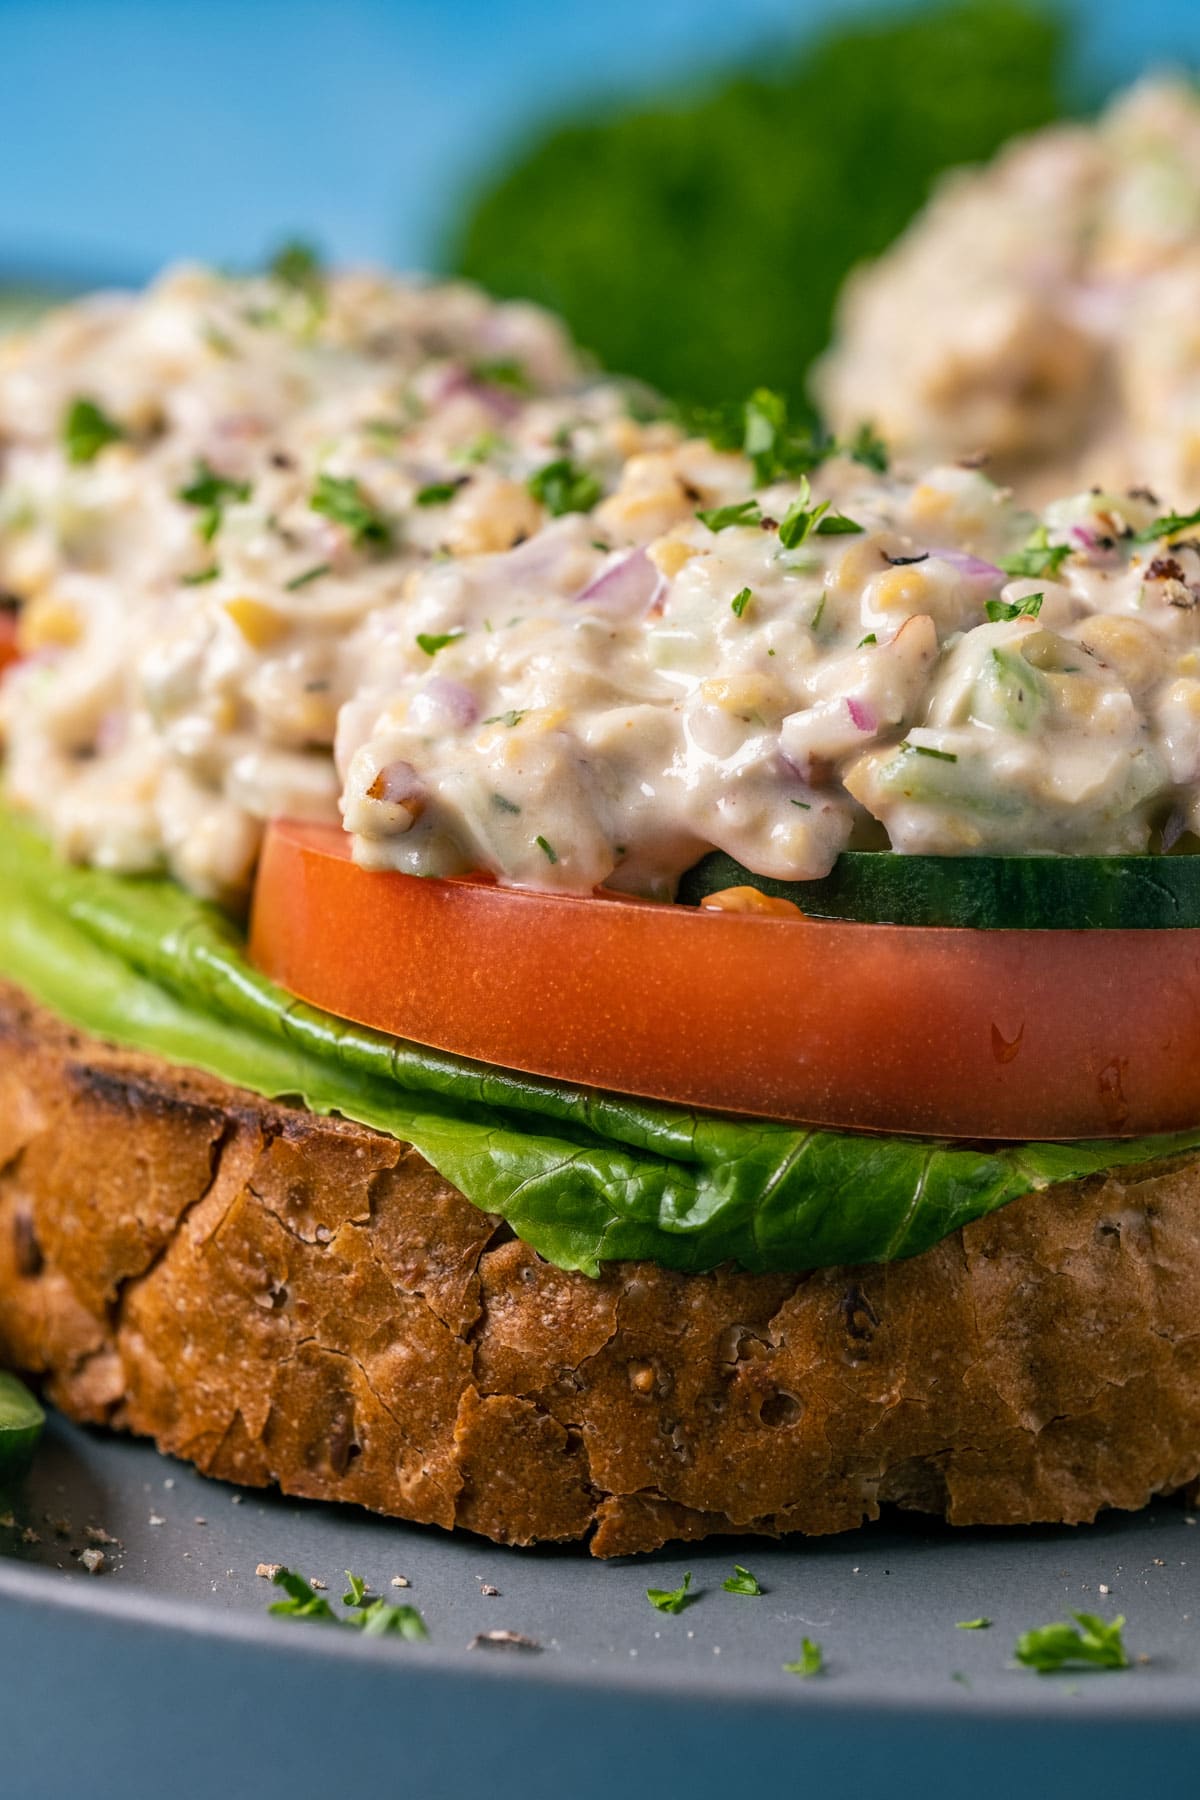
point(474, 683)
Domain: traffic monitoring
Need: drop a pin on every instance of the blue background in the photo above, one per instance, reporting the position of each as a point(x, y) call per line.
point(132, 131)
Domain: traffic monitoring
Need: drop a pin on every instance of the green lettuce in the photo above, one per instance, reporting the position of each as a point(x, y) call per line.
point(585, 1178)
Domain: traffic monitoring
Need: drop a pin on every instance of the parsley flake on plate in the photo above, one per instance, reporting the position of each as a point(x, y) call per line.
point(742, 1582)
point(341, 499)
point(86, 429)
point(302, 1602)
point(980, 1624)
point(672, 1600)
point(1091, 1643)
point(811, 1660)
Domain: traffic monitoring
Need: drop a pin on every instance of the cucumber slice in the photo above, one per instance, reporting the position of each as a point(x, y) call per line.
point(21, 1421)
point(986, 893)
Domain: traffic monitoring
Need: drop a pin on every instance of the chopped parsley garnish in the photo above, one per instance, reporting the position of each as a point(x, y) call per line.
point(505, 372)
point(1092, 1643)
point(547, 849)
point(212, 493)
point(374, 1618)
point(1166, 526)
point(740, 602)
point(811, 1660)
point(999, 611)
point(1040, 560)
point(836, 524)
point(503, 805)
point(869, 639)
point(742, 1582)
point(804, 805)
point(86, 430)
point(356, 1595)
point(297, 265)
point(380, 1618)
point(507, 718)
point(972, 1624)
point(563, 488)
point(302, 1602)
point(306, 575)
point(672, 1600)
point(200, 576)
point(433, 641)
point(485, 445)
point(437, 493)
point(928, 750)
point(801, 518)
point(341, 499)
point(868, 448)
point(720, 518)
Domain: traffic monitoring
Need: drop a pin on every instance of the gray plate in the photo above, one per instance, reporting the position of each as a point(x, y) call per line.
point(164, 1674)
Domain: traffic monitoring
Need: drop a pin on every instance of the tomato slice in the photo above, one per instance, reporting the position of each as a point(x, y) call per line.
point(8, 639)
point(939, 1031)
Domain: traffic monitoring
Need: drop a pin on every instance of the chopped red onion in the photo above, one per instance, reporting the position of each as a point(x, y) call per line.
point(444, 705)
point(861, 717)
point(625, 588)
point(973, 568)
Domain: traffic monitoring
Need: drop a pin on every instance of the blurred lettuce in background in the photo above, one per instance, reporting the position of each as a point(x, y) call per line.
point(699, 242)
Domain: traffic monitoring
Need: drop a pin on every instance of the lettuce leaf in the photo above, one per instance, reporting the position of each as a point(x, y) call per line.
point(585, 1178)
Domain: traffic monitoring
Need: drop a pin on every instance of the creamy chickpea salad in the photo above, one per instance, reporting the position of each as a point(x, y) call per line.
point(1044, 309)
point(344, 548)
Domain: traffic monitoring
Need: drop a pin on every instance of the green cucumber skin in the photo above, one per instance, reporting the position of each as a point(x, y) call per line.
point(983, 893)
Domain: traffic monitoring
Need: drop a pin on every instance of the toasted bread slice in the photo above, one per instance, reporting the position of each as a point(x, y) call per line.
point(278, 1297)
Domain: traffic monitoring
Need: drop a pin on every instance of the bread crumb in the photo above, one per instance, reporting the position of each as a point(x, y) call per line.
point(1104, 1588)
point(236, 1499)
point(316, 1582)
point(502, 1640)
point(401, 1581)
point(94, 1561)
point(157, 1519)
point(268, 1571)
point(489, 1592)
point(30, 1536)
point(169, 1483)
point(96, 1534)
point(200, 1521)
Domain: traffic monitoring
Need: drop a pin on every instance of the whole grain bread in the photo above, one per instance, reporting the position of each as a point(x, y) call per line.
point(284, 1298)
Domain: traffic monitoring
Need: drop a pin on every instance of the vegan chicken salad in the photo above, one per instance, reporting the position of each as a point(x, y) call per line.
point(645, 848)
point(345, 547)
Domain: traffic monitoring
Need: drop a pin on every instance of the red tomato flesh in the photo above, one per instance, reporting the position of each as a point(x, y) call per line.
point(947, 1033)
point(8, 639)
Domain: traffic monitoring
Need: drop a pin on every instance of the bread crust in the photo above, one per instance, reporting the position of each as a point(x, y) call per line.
point(278, 1297)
